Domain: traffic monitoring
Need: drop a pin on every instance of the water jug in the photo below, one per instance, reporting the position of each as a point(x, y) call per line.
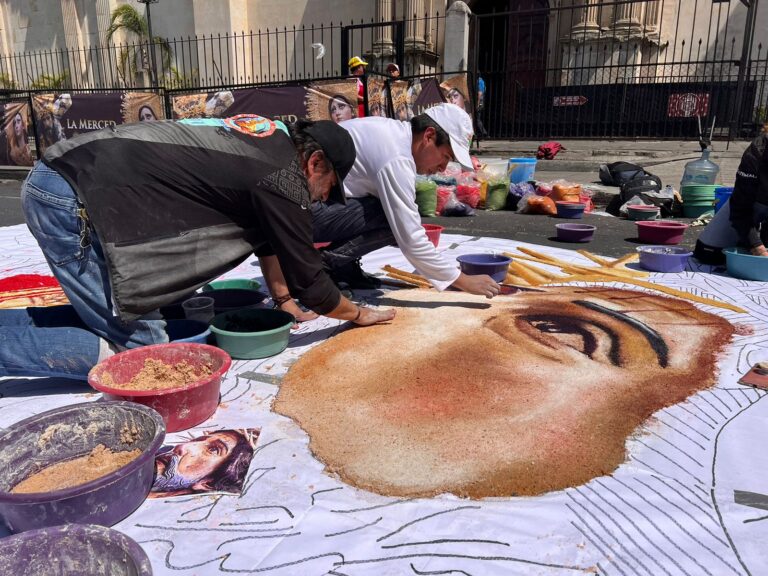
point(701, 171)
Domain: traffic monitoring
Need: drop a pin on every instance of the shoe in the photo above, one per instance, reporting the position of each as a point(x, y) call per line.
point(353, 276)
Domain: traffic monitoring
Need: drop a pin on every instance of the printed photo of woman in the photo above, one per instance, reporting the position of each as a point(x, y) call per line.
point(17, 135)
point(339, 109)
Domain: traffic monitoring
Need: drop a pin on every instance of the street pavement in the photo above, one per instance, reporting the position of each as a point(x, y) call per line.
point(10, 203)
point(578, 163)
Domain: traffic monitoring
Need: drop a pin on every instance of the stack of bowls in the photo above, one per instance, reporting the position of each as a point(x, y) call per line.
point(698, 199)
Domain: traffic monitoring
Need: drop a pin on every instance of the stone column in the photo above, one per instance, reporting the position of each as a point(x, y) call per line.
point(587, 19)
point(456, 37)
point(414, 28)
point(382, 40)
point(628, 15)
point(652, 13)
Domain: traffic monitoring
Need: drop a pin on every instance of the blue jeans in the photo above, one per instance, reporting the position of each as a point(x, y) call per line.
point(76, 258)
point(354, 229)
point(49, 341)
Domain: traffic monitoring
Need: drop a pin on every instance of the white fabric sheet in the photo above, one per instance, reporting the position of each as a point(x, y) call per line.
point(692, 499)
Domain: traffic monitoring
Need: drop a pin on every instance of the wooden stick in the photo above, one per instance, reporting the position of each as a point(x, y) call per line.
point(408, 280)
point(595, 259)
point(520, 270)
point(417, 277)
point(578, 268)
point(681, 294)
point(541, 272)
point(538, 255)
point(515, 280)
point(624, 259)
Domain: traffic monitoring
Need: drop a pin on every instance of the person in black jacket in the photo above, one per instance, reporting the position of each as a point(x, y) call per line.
point(136, 216)
point(743, 220)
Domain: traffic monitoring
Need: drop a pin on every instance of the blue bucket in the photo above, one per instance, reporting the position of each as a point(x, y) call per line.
point(187, 331)
point(721, 196)
point(521, 169)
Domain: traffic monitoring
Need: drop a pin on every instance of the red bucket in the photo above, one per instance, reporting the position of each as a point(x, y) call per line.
point(433, 232)
point(181, 408)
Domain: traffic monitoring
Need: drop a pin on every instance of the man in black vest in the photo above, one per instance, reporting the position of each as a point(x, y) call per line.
point(134, 217)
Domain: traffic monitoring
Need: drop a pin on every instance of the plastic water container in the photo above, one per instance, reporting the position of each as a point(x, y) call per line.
point(722, 195)
point(701, 171)
point(521, 169)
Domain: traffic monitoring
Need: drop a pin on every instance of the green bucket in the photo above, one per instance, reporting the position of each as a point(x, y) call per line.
point(236, 283)
point(696, 209)
point(252, 332)
point(699, 191)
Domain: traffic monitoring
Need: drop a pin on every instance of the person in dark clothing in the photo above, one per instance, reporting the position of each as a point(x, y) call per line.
point(743, 220)
point(134, 217)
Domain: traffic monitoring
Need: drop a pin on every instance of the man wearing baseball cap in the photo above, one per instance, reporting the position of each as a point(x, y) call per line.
point(381, 209)
point(134, 217)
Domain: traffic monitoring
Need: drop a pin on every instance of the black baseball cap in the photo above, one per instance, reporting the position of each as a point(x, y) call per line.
point(339, 148)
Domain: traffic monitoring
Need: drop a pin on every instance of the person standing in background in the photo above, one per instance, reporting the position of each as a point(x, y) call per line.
point(357, 68)
point(480, 131)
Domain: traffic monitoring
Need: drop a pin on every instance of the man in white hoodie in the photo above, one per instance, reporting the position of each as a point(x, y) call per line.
point(381, 199)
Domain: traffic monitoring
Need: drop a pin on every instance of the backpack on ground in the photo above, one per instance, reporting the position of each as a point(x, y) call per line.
point(617, 173)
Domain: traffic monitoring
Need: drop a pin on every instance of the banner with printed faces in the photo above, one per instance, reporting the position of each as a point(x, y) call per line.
point(335, 100)
point(15, 149)
point(60, 116)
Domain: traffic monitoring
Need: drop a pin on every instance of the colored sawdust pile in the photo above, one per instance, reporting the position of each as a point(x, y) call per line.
point(99, 462)
point(519, 395)
point(159, 375)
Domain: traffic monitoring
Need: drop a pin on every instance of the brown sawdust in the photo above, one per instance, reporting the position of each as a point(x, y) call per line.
point(158, 375)
point(99, 462)
point(423, 418)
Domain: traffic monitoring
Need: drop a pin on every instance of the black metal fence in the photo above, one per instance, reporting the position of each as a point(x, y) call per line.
point(595, 69)
point(245, 58)
point(625, 68)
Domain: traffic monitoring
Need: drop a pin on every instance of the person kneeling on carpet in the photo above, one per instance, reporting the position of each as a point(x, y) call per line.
point(743, 220)
point(137, 216)
point(380, 206)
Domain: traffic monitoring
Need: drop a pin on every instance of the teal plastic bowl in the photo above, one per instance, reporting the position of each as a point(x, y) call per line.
point(238, 283)
point(252, 332)
point(741, 264)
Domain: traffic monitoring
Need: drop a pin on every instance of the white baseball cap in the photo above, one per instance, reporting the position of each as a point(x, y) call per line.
point(457, 123)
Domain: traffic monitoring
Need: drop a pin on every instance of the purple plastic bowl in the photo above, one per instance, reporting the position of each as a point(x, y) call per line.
point(73, 550)
point(67, 433)
point(575, 232)
point(570, 209)
point(660, 231)
point(664, 258)
point(492, 264)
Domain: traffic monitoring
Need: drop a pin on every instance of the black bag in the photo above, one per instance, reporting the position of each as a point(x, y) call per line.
point(641, 183)
point(617, 173)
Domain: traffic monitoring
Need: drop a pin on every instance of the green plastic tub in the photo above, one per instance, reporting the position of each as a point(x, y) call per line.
point(696, 209)
point(252, 332)
point(236, 283)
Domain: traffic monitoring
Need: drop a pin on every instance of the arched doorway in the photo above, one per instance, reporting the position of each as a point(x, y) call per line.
point(510, 52)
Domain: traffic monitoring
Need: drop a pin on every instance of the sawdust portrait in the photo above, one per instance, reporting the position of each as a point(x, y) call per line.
point(519, 395)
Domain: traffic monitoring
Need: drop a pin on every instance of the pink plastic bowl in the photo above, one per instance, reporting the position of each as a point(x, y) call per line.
point(660, 231)
point(181, 408)
point(433, 232)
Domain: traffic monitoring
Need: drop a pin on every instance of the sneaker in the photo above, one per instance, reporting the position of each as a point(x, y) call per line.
point(353, 276)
